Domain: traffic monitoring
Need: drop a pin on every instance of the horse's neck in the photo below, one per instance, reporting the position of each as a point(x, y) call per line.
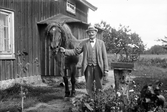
point(73, 43)
point(71, 40)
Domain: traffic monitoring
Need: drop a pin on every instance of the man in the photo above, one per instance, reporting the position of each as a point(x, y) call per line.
point(95, 62)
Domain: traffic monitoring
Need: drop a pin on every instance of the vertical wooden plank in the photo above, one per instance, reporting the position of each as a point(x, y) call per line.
point(25, 23)
point(49, 60)
point(37, 38)
point(47, 14)
point(16, 42)
point(42, 54)
point(30, 38)
point(52, 66)
point(33, 37)
point(8, 69)
point(11, 69)
point(15, 37)
point(3, 70)
point(47, 57)
point(0, 70)
point(23, 30)
point(38, 44)
point(43, 44)
point(28, 34)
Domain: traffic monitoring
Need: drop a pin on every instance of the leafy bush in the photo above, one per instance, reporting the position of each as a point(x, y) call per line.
point(148, 99)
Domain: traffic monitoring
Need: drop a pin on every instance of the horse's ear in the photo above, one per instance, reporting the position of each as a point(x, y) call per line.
point(64, 22)
point(46, 31)
point(48, 28)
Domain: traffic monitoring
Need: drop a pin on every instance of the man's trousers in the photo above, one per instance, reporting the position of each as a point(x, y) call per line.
point(93, 73)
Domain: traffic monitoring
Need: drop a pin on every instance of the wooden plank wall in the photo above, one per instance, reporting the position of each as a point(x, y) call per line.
point(27, 13)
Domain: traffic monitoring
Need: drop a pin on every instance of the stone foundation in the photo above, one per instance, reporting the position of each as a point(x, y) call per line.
point(32, 80)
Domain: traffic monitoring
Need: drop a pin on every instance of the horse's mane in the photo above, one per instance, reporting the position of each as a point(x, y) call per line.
point(68, 32)
point(67, 35)
point(71, 38)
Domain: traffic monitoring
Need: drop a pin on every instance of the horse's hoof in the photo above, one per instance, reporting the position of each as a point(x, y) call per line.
point(66, 98)
point(67, 94)
point(73, 94)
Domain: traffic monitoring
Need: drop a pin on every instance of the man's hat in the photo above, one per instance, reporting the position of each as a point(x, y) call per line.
point(92, 28)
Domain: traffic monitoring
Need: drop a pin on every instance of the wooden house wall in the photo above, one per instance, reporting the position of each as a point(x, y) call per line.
point(79, 31)
point(81, 10)
point(26, 15)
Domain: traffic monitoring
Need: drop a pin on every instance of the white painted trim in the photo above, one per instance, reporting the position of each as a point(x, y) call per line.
point(11, 35)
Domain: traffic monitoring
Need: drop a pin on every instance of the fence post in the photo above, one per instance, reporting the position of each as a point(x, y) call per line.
point(122, 72)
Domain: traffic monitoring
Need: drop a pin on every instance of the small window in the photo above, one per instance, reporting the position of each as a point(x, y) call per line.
point(70, 7)
point(6, 34)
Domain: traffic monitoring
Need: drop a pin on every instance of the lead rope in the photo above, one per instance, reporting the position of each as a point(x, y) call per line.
point(62, 62)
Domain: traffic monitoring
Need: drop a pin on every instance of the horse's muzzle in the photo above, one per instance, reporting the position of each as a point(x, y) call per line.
point(54, 49)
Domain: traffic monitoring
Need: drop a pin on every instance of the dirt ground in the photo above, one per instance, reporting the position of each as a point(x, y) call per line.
point(49, 95)
point(63, 105)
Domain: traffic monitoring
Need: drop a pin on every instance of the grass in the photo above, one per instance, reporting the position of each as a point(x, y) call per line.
point(146, 72)
point(10, 99)
point(149, 71)
point(150, 56)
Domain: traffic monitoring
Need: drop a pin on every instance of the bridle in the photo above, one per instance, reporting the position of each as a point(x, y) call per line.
point(56, 49)
point(60, 41)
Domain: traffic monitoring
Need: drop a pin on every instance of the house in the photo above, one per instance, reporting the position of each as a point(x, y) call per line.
point(22, 24)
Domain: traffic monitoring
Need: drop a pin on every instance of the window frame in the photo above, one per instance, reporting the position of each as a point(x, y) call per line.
point(70, 7)
point(11, 35)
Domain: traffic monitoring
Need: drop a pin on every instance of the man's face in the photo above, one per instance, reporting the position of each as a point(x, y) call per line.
point(92, 34)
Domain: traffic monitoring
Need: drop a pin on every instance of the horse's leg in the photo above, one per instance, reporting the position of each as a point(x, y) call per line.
point(73, 80)
point(65, 77)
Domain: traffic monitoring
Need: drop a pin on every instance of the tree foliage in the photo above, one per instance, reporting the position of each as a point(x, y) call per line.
point(121, 41)
point(164, 41)
point(156, 49)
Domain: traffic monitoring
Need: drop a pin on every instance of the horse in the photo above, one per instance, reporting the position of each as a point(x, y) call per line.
point(60, 35)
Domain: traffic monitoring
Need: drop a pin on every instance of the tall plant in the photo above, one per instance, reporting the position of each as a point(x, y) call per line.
point(23, 66)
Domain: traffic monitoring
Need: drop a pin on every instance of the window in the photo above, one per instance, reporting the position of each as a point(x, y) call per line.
point(70, 7)
point(6, 34)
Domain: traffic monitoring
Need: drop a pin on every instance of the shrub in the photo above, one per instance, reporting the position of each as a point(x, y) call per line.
point(148, 99)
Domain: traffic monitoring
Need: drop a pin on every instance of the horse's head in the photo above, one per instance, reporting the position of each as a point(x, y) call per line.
point(56, 37)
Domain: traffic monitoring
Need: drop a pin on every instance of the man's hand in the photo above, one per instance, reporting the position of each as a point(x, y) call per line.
point(105, 75)
point(62, 50)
